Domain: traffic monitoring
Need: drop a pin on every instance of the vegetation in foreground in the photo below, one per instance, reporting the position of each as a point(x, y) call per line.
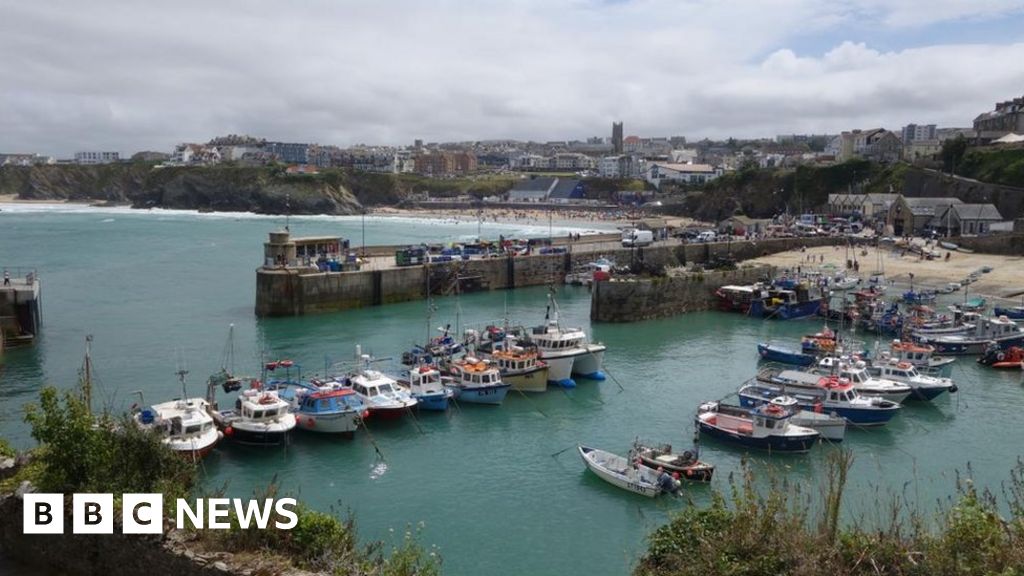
point(785, 531)
point(81, 452)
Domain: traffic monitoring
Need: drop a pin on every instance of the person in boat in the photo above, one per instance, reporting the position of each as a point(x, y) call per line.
point(666, 482)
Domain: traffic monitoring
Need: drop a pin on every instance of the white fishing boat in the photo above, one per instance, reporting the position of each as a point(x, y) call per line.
point(831, 426)
point(184, 424)
point(260, 417)
point(383, 397)
point(920, 356)
point(632, 476)
point(566, 351)
point(923, 387)
point(856, 372)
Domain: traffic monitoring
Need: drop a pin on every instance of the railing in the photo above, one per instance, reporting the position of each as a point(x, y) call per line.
point(18, 275)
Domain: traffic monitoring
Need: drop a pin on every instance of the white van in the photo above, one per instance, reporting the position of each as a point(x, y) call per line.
point(637, 238)
point(707, 236)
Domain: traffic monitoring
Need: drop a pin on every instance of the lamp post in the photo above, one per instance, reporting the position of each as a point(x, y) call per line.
point(363, 218)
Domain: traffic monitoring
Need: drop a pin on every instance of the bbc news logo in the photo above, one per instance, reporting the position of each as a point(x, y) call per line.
point(143, 513)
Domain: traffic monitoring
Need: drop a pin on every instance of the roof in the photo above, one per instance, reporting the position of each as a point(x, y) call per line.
point(977, 212)
point(538, 184)
point(1009, 139)
point(564, 188)
point(928, 206)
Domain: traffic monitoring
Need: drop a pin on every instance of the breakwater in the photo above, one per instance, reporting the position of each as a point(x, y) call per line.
point(645, 298)
point(283, 290)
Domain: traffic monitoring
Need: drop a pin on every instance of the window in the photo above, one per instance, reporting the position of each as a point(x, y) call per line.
point(193, 429)
point(271, 413)
point(257, 414)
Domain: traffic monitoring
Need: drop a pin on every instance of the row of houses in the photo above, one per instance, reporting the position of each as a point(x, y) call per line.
point(909, 216)
point(543, 189)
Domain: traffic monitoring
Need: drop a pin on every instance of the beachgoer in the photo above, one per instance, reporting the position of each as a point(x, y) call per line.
point(947, 256)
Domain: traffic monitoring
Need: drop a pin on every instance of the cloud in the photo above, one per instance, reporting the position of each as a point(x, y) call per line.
point(131, 76)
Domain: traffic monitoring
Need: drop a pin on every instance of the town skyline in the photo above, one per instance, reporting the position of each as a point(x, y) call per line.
point(105, 76)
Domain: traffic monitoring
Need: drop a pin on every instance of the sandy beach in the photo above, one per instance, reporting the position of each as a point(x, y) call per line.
point(1006, 279)
point(605, 219)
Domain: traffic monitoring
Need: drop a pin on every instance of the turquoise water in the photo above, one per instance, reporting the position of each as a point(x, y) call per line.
point(495, 488)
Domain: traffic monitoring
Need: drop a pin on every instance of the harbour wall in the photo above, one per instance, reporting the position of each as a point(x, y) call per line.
point(645, 298)
point(292, 291)
point(1003, 244)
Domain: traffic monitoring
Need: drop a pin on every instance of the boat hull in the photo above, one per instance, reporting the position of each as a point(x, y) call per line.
point(432, 402)
point(1011, 313)
point(875, 416)
point(389, 413)
point(831, 428)
point(559, 370)
point(783, 356)
point(973, 347)
point(790, 444)
point(328, 423)
point(589, 364)
point(198, 449)
point(639, 483)
point(258, 436)
point(535, 380)
point(493, 395)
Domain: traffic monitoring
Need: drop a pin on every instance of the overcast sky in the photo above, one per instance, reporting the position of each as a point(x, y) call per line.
point(140, 75)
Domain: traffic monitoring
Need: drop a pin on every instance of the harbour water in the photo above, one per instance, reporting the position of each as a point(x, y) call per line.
point(499, 490)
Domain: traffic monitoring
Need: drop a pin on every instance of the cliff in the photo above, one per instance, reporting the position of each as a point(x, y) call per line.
point(217, 188)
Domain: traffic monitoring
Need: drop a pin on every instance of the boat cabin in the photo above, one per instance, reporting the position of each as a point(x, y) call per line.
point(551, 337)
point(328, 401)
point(899, 371)
point(257, 405)
point(838, 389)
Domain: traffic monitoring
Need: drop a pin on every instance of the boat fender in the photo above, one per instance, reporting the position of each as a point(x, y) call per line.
point(1000, 356)
point(229, 431)
point(818, 408)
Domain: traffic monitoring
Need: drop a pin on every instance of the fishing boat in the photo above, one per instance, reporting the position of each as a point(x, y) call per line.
point(856, 372)
point(477, 381)
point(829, 394)
point(1011, 358)
point(736, 298)
point(1011, 312)
point(843, 282)
point(920, 356)
point(687, 464)
point(1001, 330)
point(383, 397)
point(184, 424)
point(260, 417)
point(948, 245)
point(765, 427)
point(591, 272)
point(824, 342)
point(775, 353)
point(424, 383)
point(436, 349)
point(975, 304)
point(566, 351)
point(832, 426)
point(922, 387)
point(785, 304)
point(631, 476)
point(324, 408)
point(520, 366)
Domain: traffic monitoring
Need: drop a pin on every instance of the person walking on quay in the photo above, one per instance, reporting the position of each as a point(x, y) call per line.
point(7, 277)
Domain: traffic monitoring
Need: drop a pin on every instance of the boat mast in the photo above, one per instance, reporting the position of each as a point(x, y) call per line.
point(181, 378)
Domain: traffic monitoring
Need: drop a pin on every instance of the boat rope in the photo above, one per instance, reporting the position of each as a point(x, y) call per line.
point(532, 403)
point(373, 442)
point(415, 421)
point(556, 454)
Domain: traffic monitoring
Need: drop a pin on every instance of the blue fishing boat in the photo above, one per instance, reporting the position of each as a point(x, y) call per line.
point(327, 409)
point(786, 305)
point(1011, 312)
point(829, 394)
point(765, 427)
point(477, 381)
point(783, 355)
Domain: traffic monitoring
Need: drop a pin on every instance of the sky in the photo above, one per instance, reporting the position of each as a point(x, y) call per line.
point(127, 76)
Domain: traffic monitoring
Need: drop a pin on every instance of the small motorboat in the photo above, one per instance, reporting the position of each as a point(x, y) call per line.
point(922, 387)
point(766, 427)
point(856, 373)
point(775, 353)
point(1011, 358)
point(920, 355)
point(831, 426)
point(325, 409)
point(260, 417)
point(424, 383)
point(632, 476)
point(831, 392)
point(948, 245)
point(184, 424)
point(1002, 330)
point(686, 464)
